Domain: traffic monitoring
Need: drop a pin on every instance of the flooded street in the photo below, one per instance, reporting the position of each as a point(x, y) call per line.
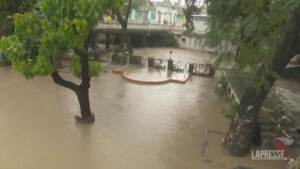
point(137, 126)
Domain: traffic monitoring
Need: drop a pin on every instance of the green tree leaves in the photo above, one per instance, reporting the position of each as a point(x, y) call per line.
point(7, 10)
point(254, 27)
point(42, 37)
point(75, 67)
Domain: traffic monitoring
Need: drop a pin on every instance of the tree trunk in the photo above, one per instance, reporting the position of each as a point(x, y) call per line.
point(127, 39)
point(82, 90)
point(124, 23)
point(188, 12)
point(189, 22)
point(83, 97)
point(240, 136)
point(125, 36)
point(82, 93)
point(107, 40)
point(241, 133)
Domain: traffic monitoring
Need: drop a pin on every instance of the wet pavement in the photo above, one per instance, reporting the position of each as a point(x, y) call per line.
point(137, 127)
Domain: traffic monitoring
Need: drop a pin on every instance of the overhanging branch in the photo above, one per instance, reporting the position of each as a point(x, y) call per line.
point(60, 81)
point(120, 18)
point(128, 10)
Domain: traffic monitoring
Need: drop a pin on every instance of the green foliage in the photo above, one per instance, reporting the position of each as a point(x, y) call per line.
point(232, 106)
point(75, 67)
point(95, 69)
point(119, 4)
point(114, 3)
point(254, 28)
point(231, 109)
point(10, 7)
point(42, 37)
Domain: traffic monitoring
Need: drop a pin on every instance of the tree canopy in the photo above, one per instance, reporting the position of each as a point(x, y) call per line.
point(262, 36)
point(253, 29)
point(7, 10)
point(43, 36)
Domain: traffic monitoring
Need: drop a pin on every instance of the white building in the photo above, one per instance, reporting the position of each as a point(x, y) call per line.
point(168, 14)
point(196, 41)
point(158, 13)
point(200, 20)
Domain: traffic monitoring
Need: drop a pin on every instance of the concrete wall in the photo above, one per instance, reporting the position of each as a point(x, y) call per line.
point(158, 39)
point(195, 42)
point(192, 43)
point(200, 25)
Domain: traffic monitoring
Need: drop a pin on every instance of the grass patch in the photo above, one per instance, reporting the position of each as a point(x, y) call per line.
point(230, 111)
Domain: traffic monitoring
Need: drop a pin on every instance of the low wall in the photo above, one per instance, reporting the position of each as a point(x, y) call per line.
point(192, 43)
point(122, 73)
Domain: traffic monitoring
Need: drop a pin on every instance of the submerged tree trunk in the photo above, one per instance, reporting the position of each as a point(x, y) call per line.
point(240, 136)
point(82, 90)
point(124, 23)
point(127, 39)
point(84, 102)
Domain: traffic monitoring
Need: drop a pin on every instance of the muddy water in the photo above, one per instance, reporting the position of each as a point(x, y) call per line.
point(137, 127)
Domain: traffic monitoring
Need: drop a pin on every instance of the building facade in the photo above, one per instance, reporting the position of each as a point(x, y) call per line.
point(158, 13)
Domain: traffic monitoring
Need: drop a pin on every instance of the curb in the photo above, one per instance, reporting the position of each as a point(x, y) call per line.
point(142, 82)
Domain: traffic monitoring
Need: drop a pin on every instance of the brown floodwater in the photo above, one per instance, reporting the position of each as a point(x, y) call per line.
point(137, 127)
